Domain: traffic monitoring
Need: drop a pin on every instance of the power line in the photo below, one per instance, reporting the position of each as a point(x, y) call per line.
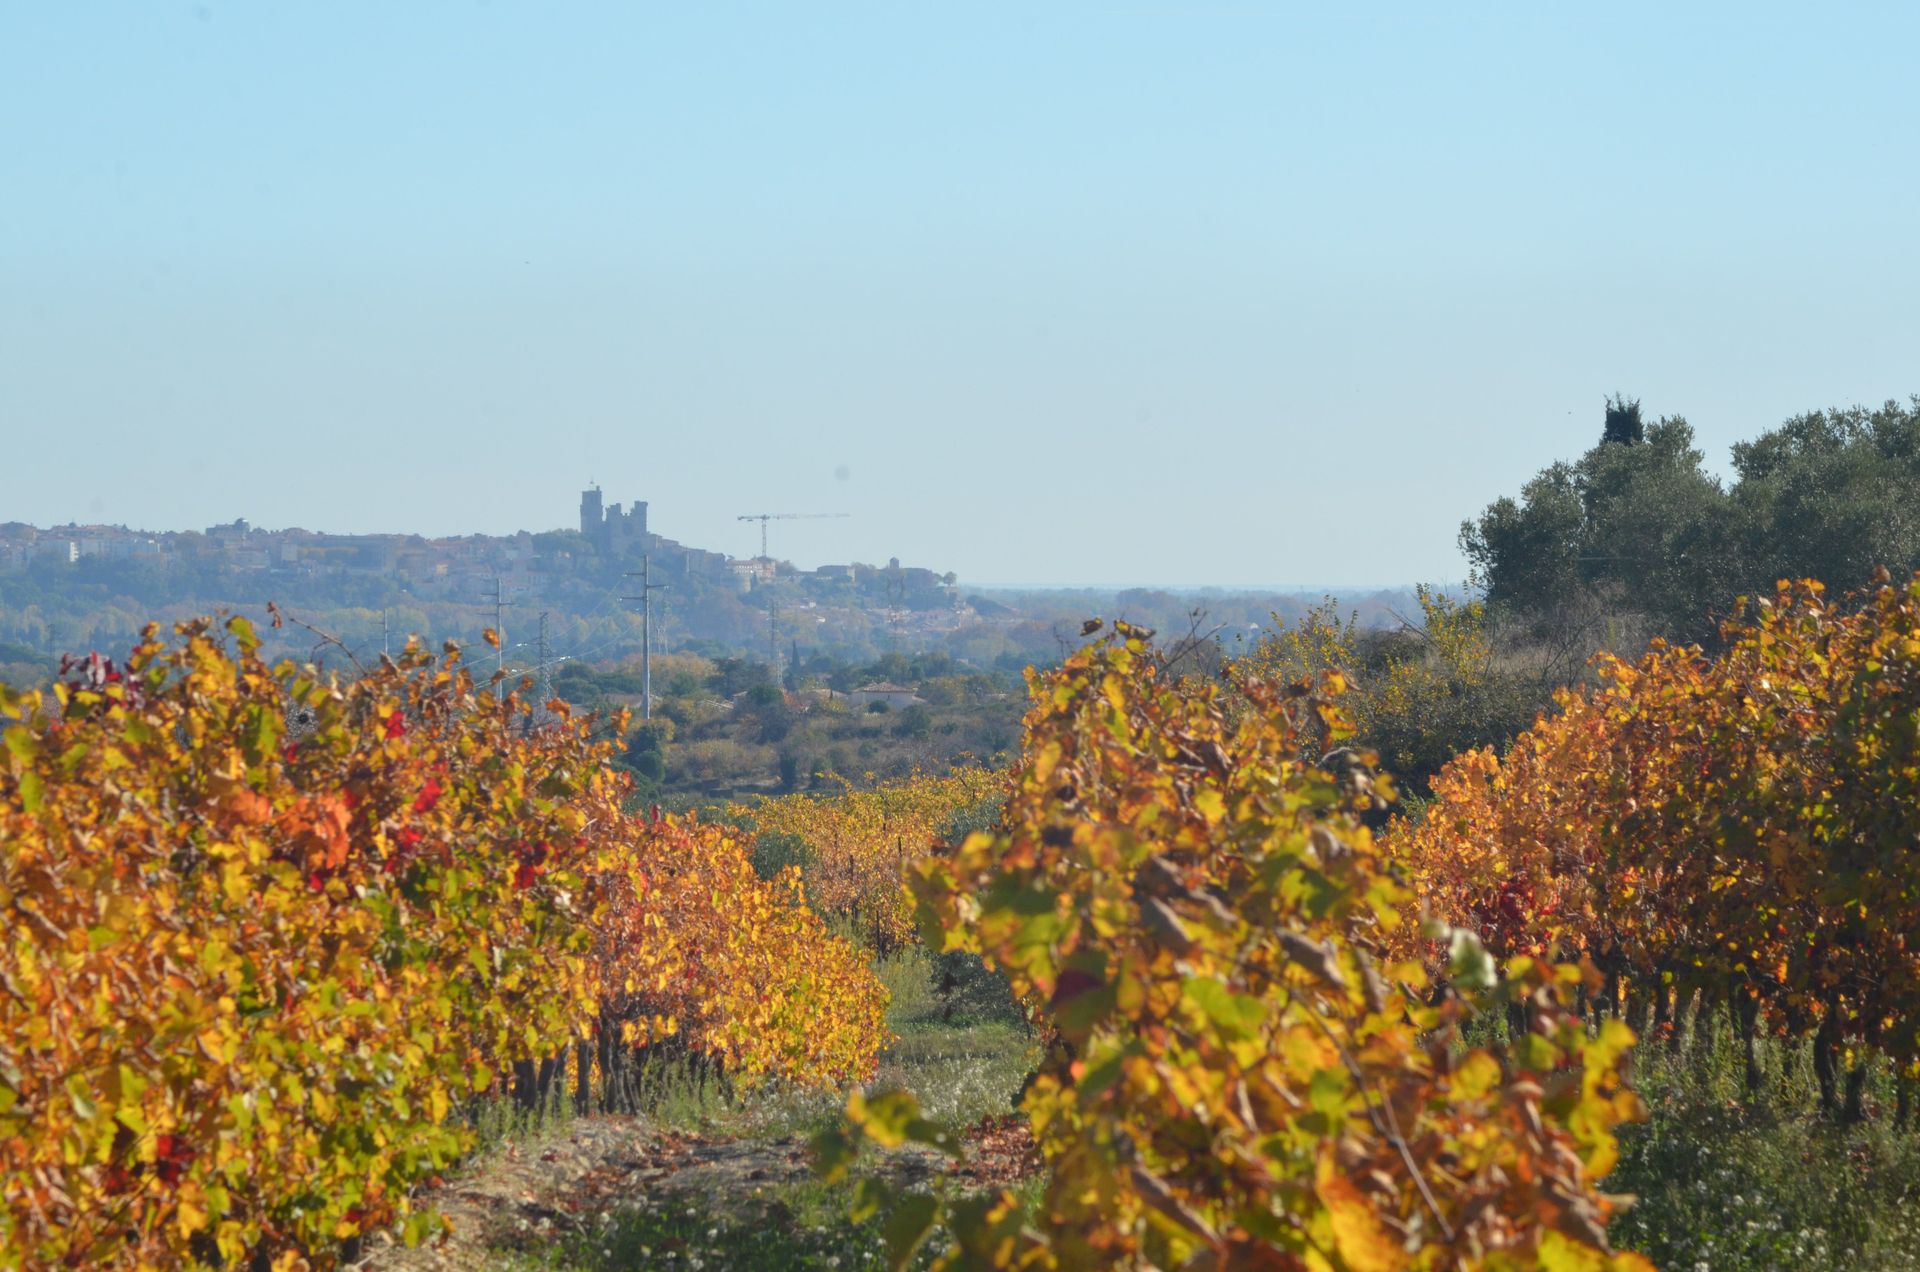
point(500, 604)
point(546, 668)
point(647, 588)
point(773, 620)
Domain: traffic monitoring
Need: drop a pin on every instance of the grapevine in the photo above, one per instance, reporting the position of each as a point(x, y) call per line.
point(1739, 826)
point(1239, 1077)
point(859, 844)
point(267, 931)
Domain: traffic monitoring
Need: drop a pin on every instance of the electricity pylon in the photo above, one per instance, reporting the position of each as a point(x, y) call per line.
point(647, 588)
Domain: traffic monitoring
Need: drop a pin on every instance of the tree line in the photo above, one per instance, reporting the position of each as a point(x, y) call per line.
point(1638, 533)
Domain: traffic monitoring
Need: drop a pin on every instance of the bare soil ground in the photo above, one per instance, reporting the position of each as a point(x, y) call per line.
point(525, 1195)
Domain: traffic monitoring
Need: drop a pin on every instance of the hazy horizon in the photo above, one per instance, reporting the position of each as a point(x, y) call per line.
point(1206, 295)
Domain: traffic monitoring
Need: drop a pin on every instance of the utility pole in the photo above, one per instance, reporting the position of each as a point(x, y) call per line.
point(896, 604)
point(500, 604)
point(773, 633)
point(546, 671)
point(386, 645)
point(647, 588)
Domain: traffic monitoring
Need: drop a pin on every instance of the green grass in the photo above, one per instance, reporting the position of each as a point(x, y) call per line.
point(1723, 1181)
point(1728, 1183)
point(801, 1227)
point(962, 1047)
point(966, 1051)
point(804, 1227)
point(963, 1064)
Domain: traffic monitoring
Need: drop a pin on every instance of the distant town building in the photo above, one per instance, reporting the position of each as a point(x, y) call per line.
point(896, 697)
point(611, 531)
point(753, 572)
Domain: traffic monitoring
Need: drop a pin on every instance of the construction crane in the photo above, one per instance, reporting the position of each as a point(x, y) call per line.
point(764, 517)
point(773, 639)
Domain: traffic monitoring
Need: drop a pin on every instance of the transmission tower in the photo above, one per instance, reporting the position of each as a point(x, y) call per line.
point(500, 604)
point(773, 629)
point(647, 588)
point(546, 668)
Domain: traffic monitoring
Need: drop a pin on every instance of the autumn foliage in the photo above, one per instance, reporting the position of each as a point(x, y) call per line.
point(859, 844)
point(1239, 1078)
point(760, 986)
point(266, 932)
point(1741, 825)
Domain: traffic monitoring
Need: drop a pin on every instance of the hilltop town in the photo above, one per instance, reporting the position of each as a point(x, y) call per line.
point(88, 586)
point(610, 538)
point(557, 596)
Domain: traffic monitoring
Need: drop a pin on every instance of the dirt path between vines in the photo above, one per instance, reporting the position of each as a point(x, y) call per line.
point(525, 1195)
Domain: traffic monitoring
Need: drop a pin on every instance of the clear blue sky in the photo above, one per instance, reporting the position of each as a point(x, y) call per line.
point(1211, 294)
